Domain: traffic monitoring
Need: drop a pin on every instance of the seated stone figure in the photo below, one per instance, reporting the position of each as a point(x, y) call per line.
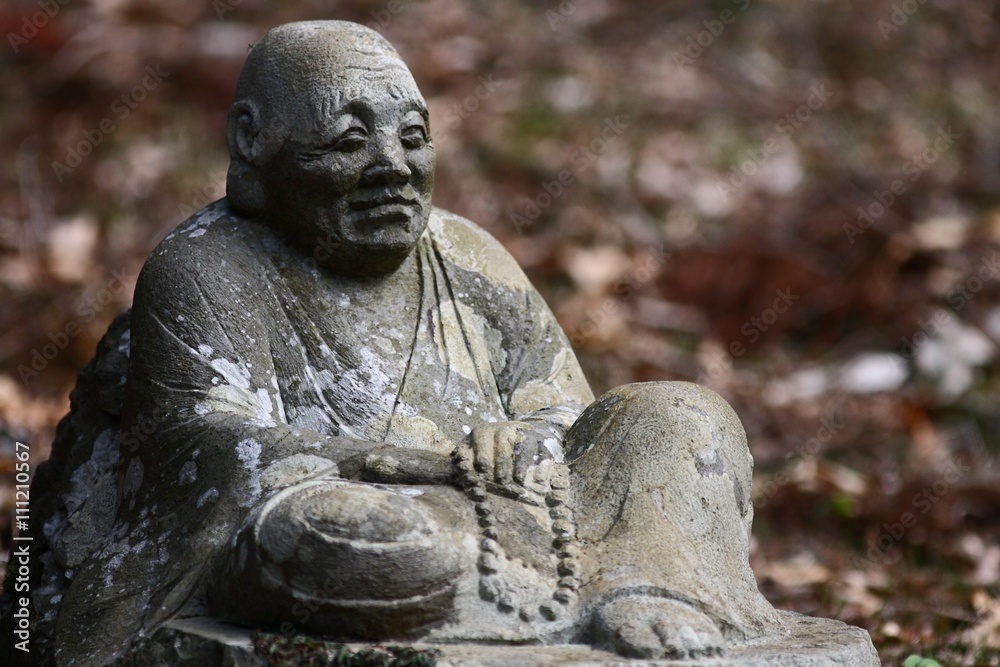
point(348, 412)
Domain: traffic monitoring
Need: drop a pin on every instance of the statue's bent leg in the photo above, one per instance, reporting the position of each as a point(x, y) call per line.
point(343, 558)
point(661, 483)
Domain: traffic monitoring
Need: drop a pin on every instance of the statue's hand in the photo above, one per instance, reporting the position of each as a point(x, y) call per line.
point(387, 464)
point(506, 452)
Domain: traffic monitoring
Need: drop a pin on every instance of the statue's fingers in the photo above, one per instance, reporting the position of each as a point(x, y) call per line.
point(710, 645)
point(503, 456)
point(483, 450)
point(524, 458)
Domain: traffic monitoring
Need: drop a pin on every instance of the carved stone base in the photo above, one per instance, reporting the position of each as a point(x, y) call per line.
point(813, 642)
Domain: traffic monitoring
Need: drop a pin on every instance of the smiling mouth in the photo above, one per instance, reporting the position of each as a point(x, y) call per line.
point(388, 212)
point(387, 200)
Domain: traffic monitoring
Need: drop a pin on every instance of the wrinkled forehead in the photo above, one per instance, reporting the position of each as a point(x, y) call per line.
point(379, 88)
point(376, 81)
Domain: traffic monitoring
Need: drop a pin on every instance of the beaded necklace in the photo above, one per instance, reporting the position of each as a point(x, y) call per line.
point(491, 587)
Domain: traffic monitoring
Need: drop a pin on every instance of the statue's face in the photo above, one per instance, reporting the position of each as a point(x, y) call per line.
point(356, 176)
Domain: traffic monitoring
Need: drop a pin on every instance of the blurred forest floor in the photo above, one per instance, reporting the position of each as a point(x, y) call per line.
point(794, 203)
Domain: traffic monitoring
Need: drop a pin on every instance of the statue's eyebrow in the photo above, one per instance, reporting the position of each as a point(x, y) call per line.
point(366, 106)
point(419, 107)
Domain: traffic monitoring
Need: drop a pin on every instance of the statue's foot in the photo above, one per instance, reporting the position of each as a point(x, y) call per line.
point(642, 626)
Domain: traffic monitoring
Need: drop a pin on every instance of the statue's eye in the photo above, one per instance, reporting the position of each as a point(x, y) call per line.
point(348, 141)
point(413, 136)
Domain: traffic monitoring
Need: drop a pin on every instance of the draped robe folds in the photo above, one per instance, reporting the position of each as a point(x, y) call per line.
point(252, 370)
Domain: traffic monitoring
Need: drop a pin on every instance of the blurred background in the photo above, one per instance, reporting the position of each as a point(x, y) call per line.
point(794, 203)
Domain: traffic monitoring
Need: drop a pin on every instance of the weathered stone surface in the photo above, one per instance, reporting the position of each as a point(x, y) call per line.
point(73, 493)
point(812, 642)
point(348, 412)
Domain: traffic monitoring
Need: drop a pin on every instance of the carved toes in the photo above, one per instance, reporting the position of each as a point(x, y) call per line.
point(640, 626)
point(686, 642)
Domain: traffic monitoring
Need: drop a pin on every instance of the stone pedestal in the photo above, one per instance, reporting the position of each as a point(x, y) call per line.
point(813, 642)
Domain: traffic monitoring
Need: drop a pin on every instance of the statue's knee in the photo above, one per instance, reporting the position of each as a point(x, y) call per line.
point(659, 424)
point(660, 399)
point(667, 408)
point(360, 556)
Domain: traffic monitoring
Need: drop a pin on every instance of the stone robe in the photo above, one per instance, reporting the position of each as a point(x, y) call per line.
point(252, 370)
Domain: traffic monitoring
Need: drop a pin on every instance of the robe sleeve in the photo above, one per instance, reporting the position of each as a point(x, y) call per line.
point(203, 412)
point(542, 380)
point(203, 441)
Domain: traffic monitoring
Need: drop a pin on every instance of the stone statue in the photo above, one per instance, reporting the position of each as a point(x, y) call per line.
point(348, 412)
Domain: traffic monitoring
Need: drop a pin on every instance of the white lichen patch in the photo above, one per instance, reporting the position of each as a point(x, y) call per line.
point(209, 496)
point(552, 445)
point(352, 396)
point(248, 452)
point(279, 404)
point(200, 221)
point(111, 565)
point(235, 400)
point(163, 556)
point(473, 397)
point(370, 372)
point(189, 473)
point(264, 416)
point(114, 554)
point(125, 342)
point(103, 457)
point(234, 374)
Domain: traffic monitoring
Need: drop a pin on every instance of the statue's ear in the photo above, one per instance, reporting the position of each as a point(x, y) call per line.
point(243, 187)
point(243, 130)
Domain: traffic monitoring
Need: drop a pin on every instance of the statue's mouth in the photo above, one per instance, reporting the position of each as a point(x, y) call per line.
point(389, 212)
point(386, 206)
point(385, 198)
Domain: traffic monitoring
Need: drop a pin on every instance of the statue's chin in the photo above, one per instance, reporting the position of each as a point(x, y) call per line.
point(385, 229)
point(369, 262)
point(378, 255)
point(379, 241)
point(361, 244)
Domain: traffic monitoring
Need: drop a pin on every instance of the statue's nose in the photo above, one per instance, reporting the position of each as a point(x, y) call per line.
point(388, 164)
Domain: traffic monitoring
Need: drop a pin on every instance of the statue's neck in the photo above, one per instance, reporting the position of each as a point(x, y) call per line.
point(349, 262)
